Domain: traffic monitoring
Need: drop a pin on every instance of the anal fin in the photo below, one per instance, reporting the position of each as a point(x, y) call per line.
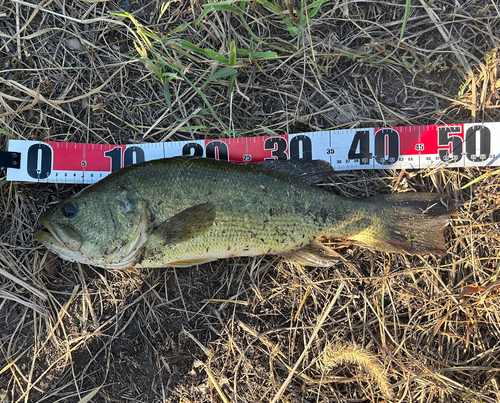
point(313, 254)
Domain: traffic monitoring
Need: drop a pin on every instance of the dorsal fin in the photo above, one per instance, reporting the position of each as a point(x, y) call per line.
point(309, 172)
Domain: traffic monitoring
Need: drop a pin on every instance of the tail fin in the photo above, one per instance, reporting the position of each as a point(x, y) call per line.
point(410, 222)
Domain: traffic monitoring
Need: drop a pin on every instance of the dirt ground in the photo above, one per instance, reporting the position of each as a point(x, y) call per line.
point(374, 327)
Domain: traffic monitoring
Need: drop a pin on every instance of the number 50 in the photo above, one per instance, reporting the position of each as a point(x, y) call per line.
point(448, 135)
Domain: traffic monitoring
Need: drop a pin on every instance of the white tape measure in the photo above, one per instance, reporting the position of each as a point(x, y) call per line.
point(412, 147)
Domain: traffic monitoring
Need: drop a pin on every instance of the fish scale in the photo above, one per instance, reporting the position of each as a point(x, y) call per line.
point(264, 214)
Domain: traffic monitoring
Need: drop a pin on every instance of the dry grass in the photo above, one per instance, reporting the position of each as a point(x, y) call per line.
point(250, 330)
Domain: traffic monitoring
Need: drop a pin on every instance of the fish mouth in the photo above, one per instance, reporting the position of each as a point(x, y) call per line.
point(58, 238)
point(47, 238)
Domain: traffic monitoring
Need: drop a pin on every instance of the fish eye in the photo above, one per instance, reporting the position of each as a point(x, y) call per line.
point(69, 210)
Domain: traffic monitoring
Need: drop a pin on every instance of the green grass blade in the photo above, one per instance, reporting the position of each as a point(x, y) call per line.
point(480, 178)
point(212, 7)
point(257, 55)
point(403, 27)
point(211, 54)
point(232, 54)
point(224, 72)
point(166, 91)
point(315, 6)
point(7, 134)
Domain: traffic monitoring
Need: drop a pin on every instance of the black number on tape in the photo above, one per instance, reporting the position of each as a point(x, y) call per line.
point(484, 143)
point(278, 146)
point(197, 149)
point(360, 141)
point(447, 135)
point(130, 153)
point(296, 143)
point(387, 146)
point(39, 164)
point(115, 155)
point(217, 150)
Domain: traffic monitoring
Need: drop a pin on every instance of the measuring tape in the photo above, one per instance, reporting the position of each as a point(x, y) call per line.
point(410, 147)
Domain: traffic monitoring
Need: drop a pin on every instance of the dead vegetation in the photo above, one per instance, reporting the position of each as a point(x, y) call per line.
point(249, 330)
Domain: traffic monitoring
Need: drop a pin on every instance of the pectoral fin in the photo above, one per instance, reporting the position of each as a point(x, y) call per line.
point(314, 254)
point(189, 223)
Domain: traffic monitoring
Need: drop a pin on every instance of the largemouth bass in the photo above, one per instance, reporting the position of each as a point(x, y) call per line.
point(188, 210)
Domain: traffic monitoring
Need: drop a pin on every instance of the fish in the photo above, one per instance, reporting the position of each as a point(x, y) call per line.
point(184, 211)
